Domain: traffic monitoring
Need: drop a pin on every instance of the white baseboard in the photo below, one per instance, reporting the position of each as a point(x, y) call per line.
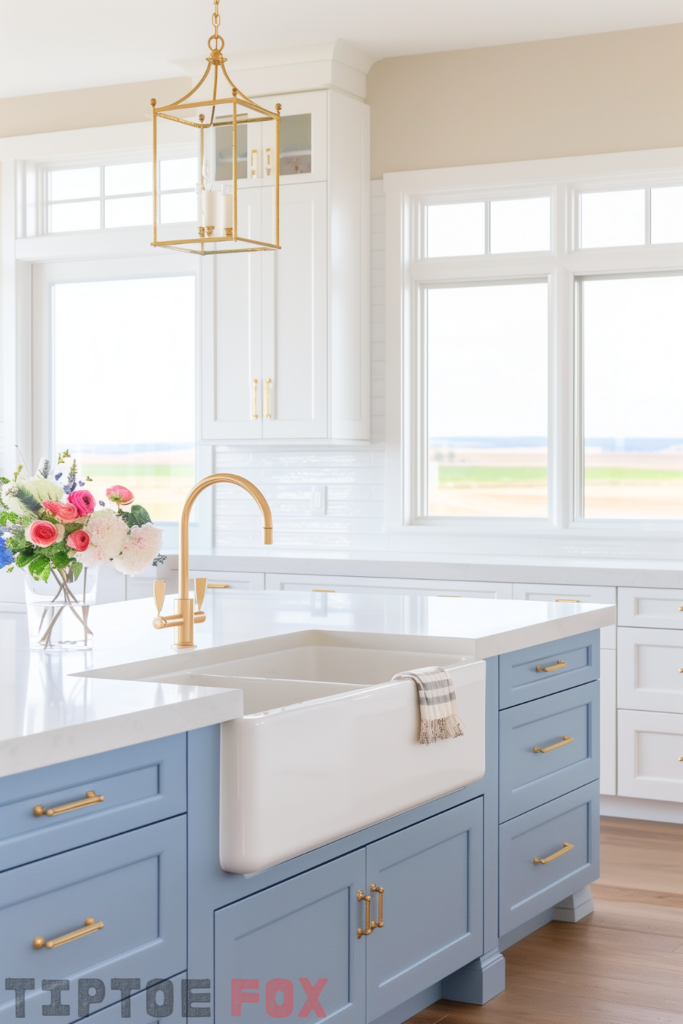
point(645, 810)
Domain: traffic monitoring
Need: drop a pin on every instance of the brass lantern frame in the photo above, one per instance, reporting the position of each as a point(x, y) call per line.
point(244, 111)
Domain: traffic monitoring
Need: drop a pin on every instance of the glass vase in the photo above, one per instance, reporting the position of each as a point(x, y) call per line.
point(58, 610)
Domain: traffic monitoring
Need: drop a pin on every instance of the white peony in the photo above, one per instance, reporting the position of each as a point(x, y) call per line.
point(42, 489)
point(107, 533)
point(142, 545)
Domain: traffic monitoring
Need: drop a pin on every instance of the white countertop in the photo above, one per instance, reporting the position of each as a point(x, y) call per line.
point(425, 565)
point(51, 711)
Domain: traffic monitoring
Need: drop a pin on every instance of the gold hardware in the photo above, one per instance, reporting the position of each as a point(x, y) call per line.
point(91, 797)
point(566, 847)
point(680, 670)
point(567, 600)
point(269, 161)
point(322, 591)
point(219, 586)
point(369, 925)
point(91, 925)
point(254, 411)
point(551, 668)
point(680, 759)
point(185, 615)
point(380, 910)
point(219, 97)
point(681, 608)
point(199, 591)
point(563, 743)
point(267, 397)
point(448, 595)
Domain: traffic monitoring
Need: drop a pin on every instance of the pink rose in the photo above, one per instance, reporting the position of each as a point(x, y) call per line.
point(78, 540)
point(120, 494)
point(43, 534)
point(83, 502)
point(60, 510)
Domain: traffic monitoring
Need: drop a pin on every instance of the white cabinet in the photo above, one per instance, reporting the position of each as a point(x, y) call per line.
point(650, 752)
point(368, 584)
point(608, 722)
point(228, 580)
point(651, 669)
point(650, 607)
point(573, 595)
point(286, 334)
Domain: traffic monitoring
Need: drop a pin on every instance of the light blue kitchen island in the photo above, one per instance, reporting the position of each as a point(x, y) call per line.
point(171, 934)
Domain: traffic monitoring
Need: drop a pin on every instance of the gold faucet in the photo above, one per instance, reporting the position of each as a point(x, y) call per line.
point(185, 615)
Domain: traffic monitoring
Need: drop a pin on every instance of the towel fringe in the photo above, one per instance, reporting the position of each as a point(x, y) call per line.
point(440, 729)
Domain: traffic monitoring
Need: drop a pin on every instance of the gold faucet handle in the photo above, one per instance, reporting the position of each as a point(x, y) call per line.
point(200, 591)
point(159, 594)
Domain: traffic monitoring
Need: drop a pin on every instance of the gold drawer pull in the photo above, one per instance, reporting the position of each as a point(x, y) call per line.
point(91, 797)
point(551, 668)
point(218, 586)
point(449, 595)
point(91, 925)
point(563, 743)
point(266, 395)
point(681, 608)
point(380, 910)
point(369, 925)
point(566, 847)
point(322, 591)
point(567, 600)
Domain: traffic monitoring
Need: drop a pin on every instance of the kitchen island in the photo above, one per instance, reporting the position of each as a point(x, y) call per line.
point(462, 876)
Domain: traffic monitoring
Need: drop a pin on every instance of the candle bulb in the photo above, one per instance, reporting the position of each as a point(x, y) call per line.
point(209, 211)
point(226, 210)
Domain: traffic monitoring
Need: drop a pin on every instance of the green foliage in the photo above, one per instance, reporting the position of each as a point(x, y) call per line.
point(76, 569)
point(137, 516)
point(28, 501)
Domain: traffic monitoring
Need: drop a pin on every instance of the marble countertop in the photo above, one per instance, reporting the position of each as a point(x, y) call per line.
point(52, 710)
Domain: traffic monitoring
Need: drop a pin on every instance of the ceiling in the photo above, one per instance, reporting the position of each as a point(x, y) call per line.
point(75, 44)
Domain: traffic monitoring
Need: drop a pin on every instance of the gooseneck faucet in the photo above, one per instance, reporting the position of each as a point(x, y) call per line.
point(185, 615)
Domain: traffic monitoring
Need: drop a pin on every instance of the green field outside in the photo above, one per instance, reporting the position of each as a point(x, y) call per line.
point(453, 476)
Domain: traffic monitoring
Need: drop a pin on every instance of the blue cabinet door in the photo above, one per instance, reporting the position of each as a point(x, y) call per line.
point(298, 937)
point(432, 877)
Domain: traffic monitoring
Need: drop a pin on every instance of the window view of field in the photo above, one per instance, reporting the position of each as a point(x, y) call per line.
point(633, 412)
point(487, 383)
point(124, 387)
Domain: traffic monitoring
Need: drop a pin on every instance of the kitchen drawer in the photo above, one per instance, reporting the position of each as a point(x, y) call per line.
point(652, 608)
point(378, 585)
point(134, 884)
point(528, 887)
point(650, 676)
point(140, 784)
point(561, 594)
point(650, 747)
point(165, 997)
point(531, 673)
point(530, 773)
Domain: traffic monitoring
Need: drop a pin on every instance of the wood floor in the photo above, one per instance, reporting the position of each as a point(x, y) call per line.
point(621, 965)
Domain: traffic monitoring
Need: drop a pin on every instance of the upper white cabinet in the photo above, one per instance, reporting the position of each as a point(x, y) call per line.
point(285, 335)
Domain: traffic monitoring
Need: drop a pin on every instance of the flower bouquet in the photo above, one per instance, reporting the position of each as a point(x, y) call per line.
point(60, 534)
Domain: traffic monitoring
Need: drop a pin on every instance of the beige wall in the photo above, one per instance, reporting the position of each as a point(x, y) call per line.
point(604, 93)
point(86, 108)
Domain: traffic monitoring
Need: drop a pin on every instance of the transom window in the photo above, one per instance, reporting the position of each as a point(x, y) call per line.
point(489, 227)
point(638, 216)
point(120, 195)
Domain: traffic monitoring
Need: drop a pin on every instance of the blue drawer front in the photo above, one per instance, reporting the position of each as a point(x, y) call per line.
point(432, 876)
point(140, 784)
point(531, 673)
point(529, 773)
point(526, 888)
point(301, 928)
point(168, 996)
point(134, 883)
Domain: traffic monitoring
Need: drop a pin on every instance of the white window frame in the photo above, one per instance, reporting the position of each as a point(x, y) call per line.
point(23, 162)
point(409, 273)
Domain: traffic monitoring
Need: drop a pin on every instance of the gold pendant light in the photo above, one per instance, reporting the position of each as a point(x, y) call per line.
point(225, 128)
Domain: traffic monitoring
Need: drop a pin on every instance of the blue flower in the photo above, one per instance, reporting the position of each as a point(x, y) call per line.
point(6, 556)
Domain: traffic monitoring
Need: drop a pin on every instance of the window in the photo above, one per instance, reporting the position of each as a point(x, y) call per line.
point(499, 226)
point(631, 217)
point(123, 382)
point(120, 195)
point(632, 412)
point(487, 400)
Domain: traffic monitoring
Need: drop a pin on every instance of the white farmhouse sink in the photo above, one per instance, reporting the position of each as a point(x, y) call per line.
point(328, 744)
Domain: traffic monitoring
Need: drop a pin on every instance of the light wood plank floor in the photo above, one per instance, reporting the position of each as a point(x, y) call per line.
point(621, 965)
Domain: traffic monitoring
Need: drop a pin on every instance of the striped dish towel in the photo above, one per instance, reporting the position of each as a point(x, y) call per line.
point(438, 716)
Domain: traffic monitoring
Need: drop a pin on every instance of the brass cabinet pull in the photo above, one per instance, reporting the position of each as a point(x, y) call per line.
point(269, 160)
point(369, 925)
point(681, 608)
point(380, 910)
point(218, 586)
point(551, 668)
point(448, 595)
point(567, 600)
point(566, 847)
point(91, 797)
point(563, 743)
point(254, 411)
point(253, 163)
point(91, 925)
point(322, 591)
point(266, 395)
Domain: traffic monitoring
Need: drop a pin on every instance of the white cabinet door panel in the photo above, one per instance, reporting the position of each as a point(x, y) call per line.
point(227, 580)
point(378, 585)
point(653, 608)
point(295, 317)
point(574, 594)
point(650, 669)
point(650, 745)
point(608, 722)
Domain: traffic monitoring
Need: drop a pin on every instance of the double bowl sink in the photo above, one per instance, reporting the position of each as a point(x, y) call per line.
point(328, 743)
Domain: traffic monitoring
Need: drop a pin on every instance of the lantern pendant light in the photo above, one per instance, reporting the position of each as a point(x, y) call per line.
point(224, 128)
